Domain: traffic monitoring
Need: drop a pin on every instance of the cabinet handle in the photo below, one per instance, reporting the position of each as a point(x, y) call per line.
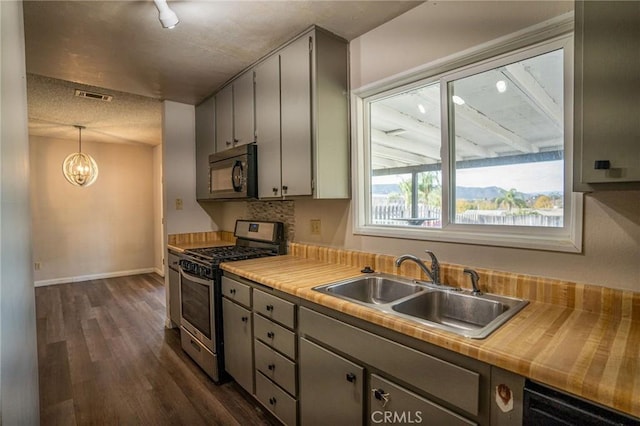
point(232, 291)
point(381, 395)
point(195, 345)
point(270, 308)
point(272, 401)
point(275, 191)
point(244, 319)
point(228, 143)
point(235, 141)
point(351, 377)
point(270, 335)
point(602, 165)
point(271, 367)
point(285, 188)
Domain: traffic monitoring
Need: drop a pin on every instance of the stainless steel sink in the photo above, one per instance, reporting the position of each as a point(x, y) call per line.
point(462, 313)
point(376, 289)
point(435, 306)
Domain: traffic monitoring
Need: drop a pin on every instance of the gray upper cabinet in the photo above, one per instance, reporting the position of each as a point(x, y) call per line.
point(205, 145)
point(224, 118)
point(235, 124)
point(243, 110)
point(607, 95)
point(267, 81)
point(294, 104)
point(295, 89)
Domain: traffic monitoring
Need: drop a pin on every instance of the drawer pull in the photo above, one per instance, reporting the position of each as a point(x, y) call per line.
point(351, 377)
point(244, 319)
point(232, 291)
point(195, 345)
point(272, 401)
point(269, 308)
point(271, 335)
point(381, 395)
point(271, 367)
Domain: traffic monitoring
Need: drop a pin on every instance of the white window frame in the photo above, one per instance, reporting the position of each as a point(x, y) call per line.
point(531, 42)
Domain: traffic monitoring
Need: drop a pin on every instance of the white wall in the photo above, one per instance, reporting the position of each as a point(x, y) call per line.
point(18, 348)
point(105, 229)
point(158, 228)
point(178, 168)
point(437, 29)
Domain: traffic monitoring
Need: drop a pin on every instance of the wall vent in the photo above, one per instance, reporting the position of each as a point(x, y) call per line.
point(93, 95)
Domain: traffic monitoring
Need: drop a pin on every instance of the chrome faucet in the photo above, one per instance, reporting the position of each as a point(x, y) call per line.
point(473, 275)
point(433, 273)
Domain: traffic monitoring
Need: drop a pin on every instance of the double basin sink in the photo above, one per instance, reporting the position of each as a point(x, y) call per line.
point(441, 307)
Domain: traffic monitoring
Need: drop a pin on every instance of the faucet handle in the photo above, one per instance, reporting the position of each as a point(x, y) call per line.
point(474, 280)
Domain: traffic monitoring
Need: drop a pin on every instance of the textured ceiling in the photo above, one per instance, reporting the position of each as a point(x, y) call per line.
point(120, 46)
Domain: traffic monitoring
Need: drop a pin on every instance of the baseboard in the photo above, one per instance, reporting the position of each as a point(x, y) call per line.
point(81, 278)
point(159, 271)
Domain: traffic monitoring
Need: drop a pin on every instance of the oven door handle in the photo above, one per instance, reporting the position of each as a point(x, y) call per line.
point(194, 278)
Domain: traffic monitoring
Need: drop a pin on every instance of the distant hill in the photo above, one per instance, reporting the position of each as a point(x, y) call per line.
point(463, 192)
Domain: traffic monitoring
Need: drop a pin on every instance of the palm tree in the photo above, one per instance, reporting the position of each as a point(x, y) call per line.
point(510, 199)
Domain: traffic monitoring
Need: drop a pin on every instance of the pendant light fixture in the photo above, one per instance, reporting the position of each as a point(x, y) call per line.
point(80, 169)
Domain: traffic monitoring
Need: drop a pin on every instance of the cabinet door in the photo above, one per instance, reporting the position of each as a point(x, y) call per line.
point(224, 119)
point(268, 127)
point(238, 355)
point(205, 145)
point(608, 42)
point(330, 387)
point(243, 112)
point(390, 401)
point(295, 82)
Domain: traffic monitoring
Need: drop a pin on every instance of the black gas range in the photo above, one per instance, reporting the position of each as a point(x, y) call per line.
point(200, 289)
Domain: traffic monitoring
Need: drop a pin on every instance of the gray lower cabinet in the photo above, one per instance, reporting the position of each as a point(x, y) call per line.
point(174, 288)
point(331, 387)
point(275, 355)
point(391, 403)
point(443, 385)
point(236, 323)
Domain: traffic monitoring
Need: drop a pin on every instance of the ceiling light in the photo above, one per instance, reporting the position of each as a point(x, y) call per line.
point(501, 85)
point(80, 169)
point(168, 17)
point(421, 109)
point(457, 100)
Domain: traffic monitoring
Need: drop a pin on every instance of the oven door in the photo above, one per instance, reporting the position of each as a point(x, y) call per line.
point(197, 308)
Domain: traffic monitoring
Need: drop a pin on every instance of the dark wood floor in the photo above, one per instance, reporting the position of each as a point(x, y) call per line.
point(105, 357)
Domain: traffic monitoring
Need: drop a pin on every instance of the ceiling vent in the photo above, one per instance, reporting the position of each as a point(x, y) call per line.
point(93, 95)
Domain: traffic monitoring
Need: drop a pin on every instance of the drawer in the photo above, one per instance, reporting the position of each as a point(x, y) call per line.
point(274, 308)
point(236, 291)
point(276, 367)
point(276, 400)
point(274, 335)
point(416, 408)
point(425, 372)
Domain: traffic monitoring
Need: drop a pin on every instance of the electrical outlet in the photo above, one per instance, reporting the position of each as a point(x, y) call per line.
point(315, 226)
point(178, 203)
point(37, 266)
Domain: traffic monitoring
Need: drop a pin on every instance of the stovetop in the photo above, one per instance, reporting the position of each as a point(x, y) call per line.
point(215, 255)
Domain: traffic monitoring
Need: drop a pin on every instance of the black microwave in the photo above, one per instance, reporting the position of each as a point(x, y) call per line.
point(233, 173)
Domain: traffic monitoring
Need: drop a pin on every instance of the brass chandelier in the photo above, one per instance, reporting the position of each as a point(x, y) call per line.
point(80, 169)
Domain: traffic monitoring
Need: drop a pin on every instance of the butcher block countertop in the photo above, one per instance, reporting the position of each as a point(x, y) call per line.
point(584, 340)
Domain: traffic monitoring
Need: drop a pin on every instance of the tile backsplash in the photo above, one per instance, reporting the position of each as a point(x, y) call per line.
point(279, 211)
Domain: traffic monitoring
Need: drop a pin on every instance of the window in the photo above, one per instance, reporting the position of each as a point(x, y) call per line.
point(478, 154)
